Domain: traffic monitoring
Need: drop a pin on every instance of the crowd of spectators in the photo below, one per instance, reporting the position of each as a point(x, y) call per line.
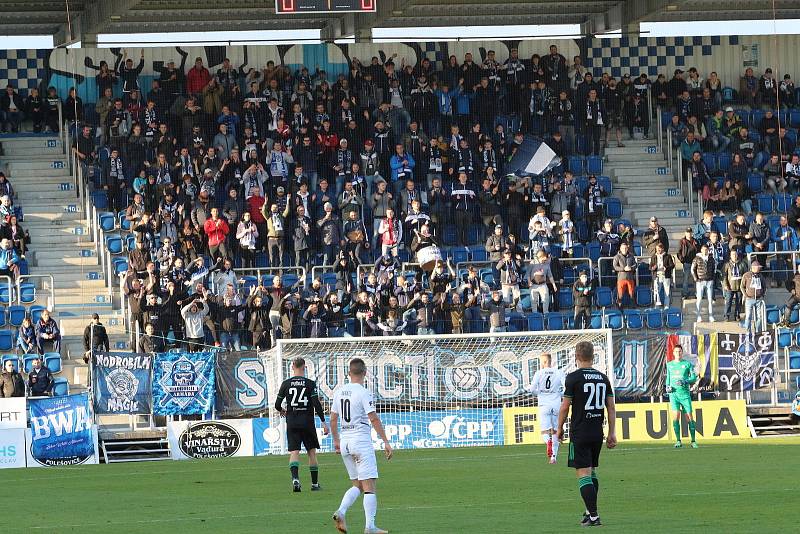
point(275, 168)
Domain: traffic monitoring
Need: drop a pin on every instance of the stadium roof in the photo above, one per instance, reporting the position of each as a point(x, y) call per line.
point(92, 17)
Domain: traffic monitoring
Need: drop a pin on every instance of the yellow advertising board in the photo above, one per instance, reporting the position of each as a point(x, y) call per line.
point(643, 422)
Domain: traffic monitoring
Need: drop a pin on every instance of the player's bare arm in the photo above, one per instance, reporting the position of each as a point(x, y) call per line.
point(378, 426)
point(611, 408)
point(563, 412)
point(335, 431)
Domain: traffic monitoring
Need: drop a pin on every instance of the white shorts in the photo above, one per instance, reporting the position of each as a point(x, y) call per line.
point(548, 416)
point(359, 459)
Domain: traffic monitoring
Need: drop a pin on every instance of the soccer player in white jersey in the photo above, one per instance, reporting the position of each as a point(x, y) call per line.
point(548, 385)
point(354, 405)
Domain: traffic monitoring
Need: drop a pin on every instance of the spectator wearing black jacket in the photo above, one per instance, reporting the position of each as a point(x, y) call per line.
point(12, 109)
point(687, 250)
point(40, 380)
point(582, 295)
point(95, 336)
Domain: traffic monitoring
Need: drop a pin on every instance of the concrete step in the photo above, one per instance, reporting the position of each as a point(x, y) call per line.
point(58, 213)
point(60, 233)
point(651, 148)
point(61, 188)
point(640, 170)
point(55, 163)
point(635, 164)
point(632, 197)
point(644, 180)
point(636, 156)
point(35, 142)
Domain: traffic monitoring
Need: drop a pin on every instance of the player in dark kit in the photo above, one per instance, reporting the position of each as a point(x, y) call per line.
point(301, 403)
point(589, 393)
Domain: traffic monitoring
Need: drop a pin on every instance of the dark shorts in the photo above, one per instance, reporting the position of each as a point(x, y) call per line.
point(584, 454)
point(302, 436)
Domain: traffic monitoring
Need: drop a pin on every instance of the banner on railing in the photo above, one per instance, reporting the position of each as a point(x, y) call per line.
point(746, 361)
point(241, 385)
point(13, 421)
point(122, 383)
point(61, 432)
point(210, 439)
point(639, 366)
point(183, 383)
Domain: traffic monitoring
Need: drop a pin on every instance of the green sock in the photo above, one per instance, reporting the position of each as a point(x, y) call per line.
point(676, 426)
point(294, 467)
point(691, 429)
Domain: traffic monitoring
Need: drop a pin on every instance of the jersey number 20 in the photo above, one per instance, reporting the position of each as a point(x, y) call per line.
point(595, 396)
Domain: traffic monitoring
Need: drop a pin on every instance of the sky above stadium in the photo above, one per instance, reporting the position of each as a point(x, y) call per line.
point(656, 29)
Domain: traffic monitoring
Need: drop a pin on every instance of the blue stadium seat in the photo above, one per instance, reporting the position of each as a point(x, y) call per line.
point(614, 320)
point(100, 200)
point(570, 275)
point(556, 321)
point(517, 322)
point(633, 319)
point(36, 312)
point(27, 292)
point(764, 203)
point(535, 322)
point(450, 237)
point(594, 165)
point(120, 265)
point(720, 224)
point(794, 360)
point(565, 298)
point(107, 221)
point(15, 315)
point(755, 183)
point(460, 255)
point(773, 314)
point(673, 317)
point(644, 296)
point(773, 221)
point(603, 297)
point(576, 165)
point(124, 223)
point(52, 360)
point(247, 282)
point(6, 340)
point(783, 203)
point(4, 316)
point(596, 320)
point(724, 161)
point(654, 319)
point(710, 160)
point(728, 94)
point(794, 118)
point(60, 387)
point(114, 244)
point(479, 254)
point(6, 294)
point(579, 251)
point(785, 338)
point(613, 207)
point(593, 249)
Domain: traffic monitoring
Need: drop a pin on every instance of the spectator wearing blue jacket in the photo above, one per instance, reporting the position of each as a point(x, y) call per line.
point(40, 380)
point(9, 259)
point(462, 103)
point(26, 337)
point(402, 165)
point(47, 332)
point(444, 104)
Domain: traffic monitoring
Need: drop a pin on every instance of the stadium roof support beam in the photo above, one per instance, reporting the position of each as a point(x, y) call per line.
point(96, 17)
point(626, 16)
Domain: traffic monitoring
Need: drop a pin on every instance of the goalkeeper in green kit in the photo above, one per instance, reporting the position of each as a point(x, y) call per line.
point(680, 376)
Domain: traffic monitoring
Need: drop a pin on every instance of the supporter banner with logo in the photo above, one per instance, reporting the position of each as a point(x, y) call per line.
point(407, 430)
point(746, 361)
point(122, 383)
point(702, 351)
point(61, 431)
point(639, 366)
point(183, 383)
point(241, 384)
point(13, 422)
point(643, 422)
point(210, 439)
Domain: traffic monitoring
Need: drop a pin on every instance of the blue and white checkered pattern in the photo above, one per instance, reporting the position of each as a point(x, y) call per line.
point(436, 53)
point(649, 55)
point(24, 69)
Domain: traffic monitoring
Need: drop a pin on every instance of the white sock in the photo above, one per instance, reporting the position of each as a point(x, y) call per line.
point(370, 508)
point(348, 499)
point(555, 447)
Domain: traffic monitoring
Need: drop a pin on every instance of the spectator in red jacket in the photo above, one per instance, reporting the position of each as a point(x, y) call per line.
point(254, 203)
point(216, 230)
point(197, 78)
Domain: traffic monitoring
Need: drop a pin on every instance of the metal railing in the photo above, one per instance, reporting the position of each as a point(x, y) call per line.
point(51, 300)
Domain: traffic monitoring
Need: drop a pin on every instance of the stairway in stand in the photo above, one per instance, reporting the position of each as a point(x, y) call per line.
point(643, 182)
point(39, 172)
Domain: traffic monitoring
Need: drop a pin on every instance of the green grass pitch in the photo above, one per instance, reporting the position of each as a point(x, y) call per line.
point(721, 487)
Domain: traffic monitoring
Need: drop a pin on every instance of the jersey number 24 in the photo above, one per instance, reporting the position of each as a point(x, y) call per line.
point(298, 397)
